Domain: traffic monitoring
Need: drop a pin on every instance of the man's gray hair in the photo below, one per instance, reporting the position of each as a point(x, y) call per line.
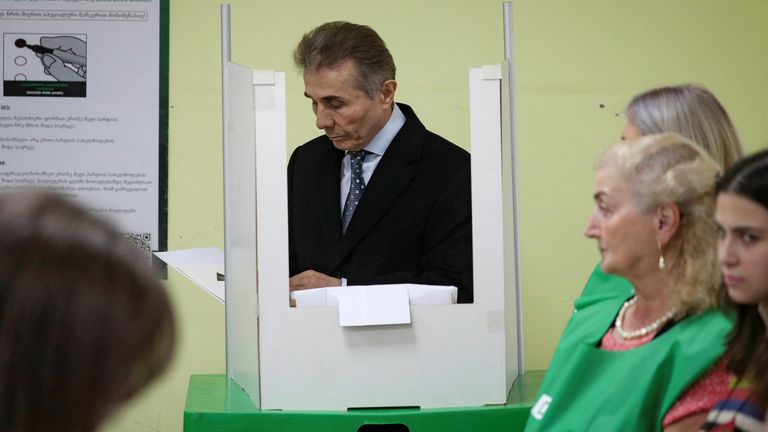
point(335, 42)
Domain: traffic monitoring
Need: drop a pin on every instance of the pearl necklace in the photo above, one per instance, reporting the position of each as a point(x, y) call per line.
point(650, 328)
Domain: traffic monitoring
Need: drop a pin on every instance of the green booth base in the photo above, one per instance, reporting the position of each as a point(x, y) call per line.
point(215, 404)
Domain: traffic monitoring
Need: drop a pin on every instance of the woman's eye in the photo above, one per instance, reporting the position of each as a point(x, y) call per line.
point(749, 238)
point(720, 233)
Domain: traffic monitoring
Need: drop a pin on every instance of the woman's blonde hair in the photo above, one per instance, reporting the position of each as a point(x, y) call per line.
point(693, 112)
point(670, 169)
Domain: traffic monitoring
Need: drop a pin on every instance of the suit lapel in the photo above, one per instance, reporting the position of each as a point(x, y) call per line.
point(393, 174)
point(382, 192)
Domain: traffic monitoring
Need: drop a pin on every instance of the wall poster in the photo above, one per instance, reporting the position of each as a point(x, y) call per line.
point(84, 107)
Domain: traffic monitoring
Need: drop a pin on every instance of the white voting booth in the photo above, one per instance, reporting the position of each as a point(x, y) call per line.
point(288, 358)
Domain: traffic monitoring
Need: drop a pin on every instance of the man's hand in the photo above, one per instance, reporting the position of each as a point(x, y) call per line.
point(312, 279)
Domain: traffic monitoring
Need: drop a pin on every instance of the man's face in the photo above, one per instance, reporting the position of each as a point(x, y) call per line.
point(349, 117)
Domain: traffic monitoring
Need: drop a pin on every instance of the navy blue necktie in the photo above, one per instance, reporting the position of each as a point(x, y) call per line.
point(356, 187)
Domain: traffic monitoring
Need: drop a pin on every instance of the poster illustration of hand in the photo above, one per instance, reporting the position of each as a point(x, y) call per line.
point(44, 65)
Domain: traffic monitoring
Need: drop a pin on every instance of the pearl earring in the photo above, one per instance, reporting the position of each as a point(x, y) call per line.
point(661, 256)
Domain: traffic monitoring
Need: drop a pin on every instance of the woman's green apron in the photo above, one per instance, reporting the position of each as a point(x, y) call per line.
point(587, 388)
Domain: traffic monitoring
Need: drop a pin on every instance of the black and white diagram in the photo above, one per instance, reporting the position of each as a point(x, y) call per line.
point(45, 65)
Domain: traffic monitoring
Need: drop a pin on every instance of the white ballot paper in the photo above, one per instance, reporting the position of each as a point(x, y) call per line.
point(366, 305)
point(200, 266)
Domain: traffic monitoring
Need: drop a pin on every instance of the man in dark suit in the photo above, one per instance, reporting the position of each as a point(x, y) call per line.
point(378, 198)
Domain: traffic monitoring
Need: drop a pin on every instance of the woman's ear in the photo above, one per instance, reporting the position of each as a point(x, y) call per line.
point(667, 222)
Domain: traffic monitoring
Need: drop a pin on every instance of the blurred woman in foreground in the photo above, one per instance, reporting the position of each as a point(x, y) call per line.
point(84, 324)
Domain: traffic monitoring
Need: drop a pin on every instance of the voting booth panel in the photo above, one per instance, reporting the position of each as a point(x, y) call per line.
point(301, 358)
point(254, 112)
point(240, 229)
point(493, 212)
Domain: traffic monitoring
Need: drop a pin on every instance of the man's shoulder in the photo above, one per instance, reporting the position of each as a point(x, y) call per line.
point(442, 155)
point(433, 143)
point(312, 157)
point(318, 143)
point(314, 147)
point(439, 144)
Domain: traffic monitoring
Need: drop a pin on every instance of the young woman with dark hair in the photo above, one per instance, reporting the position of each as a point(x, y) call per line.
point(742, 218)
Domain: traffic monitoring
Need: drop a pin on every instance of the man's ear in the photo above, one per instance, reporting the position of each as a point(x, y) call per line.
point(667, 222)
point(387, 92)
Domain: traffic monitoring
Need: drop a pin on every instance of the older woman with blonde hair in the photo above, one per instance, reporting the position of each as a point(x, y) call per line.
point(647, 360)
point(689, 110)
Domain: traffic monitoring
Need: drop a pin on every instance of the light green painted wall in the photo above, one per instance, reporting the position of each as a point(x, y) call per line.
point(571, 57)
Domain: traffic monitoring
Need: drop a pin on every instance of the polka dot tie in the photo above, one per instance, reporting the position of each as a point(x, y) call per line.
point(356, 187)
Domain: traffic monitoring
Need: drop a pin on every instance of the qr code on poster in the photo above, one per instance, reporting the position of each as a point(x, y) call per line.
point(143, 241)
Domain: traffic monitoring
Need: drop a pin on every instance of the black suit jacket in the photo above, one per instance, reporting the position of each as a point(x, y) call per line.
point(413, 223)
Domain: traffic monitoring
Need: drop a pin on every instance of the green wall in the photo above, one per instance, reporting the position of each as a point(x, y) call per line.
point(577, 63)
